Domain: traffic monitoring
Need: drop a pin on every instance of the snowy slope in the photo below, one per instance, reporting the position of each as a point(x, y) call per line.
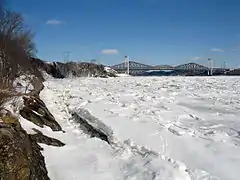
point(161, 128)
point(108, 69)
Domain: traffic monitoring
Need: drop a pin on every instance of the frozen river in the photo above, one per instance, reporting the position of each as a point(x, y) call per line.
point(189, 126)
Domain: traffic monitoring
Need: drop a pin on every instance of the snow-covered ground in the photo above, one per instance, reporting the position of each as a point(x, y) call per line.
point(161, 128)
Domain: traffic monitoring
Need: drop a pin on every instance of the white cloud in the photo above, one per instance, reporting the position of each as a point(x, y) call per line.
point(53, 22)
point(195, 58)
point(109, 51)
point(217, 50)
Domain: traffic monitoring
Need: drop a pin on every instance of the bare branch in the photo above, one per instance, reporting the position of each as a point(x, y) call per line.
point(16, 49)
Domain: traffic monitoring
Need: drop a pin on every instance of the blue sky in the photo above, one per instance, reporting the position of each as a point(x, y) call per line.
point(149, 31)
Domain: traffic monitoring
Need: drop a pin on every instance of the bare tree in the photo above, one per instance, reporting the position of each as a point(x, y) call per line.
point(16, 49)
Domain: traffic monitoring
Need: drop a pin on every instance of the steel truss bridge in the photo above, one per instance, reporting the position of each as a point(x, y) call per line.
point(136, 68)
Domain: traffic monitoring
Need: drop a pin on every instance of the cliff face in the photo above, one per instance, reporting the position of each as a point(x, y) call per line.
point(80, 69)
point(21, 156)
point(62, 70)
point(20, 153)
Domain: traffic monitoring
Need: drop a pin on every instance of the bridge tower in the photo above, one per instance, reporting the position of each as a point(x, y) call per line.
point(210, 66)
point(224, 64)
point(126, 60)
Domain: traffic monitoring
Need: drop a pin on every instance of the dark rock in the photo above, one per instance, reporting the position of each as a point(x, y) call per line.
point(80, 69)
point(62, 70)
point(31, 116)
point(103, 76)
point(10, 121)
point(36, 111)
point(48, 68)
point(20, 156)
point(235, 72)
point(111, 74)
point(40, 138)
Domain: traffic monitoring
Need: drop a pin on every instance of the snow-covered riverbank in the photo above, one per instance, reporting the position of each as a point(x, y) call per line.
point(163, 128)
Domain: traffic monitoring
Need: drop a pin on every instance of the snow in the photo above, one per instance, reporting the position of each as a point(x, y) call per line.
point(23, 83)
point(13, 105)
point(108, 69)
point(160, 128)
point(123, 75)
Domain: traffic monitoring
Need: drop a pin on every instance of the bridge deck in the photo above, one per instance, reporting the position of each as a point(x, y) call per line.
point(135, 66)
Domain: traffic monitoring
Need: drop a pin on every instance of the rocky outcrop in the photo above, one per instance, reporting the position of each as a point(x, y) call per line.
point(80, 69)
point(35, 111)
point(235, 72)
point(49, 68)
point(63, 70)
point(41, 138)
point(20, 153)
point(20, 156)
